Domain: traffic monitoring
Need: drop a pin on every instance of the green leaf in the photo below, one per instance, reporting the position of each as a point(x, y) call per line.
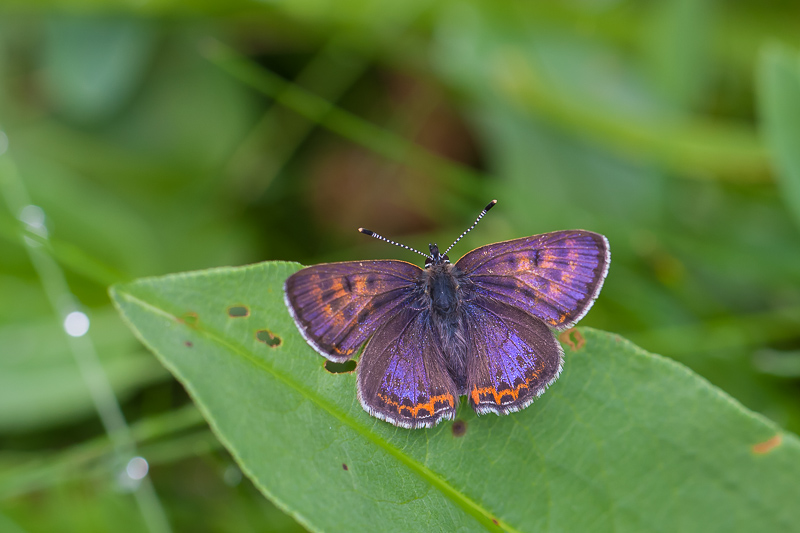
point(625, 440)
point(779, 106)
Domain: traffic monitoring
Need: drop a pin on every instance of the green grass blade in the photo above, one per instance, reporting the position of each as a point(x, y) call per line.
point(321, 111)
point(779, 102)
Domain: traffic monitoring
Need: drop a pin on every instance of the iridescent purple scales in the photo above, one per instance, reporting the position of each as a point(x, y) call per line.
point(555, 276)
point(480, 328)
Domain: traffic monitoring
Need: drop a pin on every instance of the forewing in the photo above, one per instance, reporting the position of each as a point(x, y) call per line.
point(401, 374)
point(554, 276)
point(337, 306)
point(514, 357)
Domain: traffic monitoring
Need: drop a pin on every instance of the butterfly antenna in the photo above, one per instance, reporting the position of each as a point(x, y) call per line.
point(483, 213)
point(373, 234)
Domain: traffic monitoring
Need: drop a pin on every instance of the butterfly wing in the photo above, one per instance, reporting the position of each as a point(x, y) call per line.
point(513, 357)
point(401, 375)
point(554, 276)
point(337, 306)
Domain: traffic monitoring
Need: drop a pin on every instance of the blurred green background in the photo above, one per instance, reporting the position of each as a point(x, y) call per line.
point(166, 136)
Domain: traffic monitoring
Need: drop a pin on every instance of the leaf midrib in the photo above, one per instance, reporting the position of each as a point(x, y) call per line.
point(469, 506)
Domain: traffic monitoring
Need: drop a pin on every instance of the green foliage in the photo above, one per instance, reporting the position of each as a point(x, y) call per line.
point(633, 440)
point(779, 84)
point(170, 136)
point(47, 389)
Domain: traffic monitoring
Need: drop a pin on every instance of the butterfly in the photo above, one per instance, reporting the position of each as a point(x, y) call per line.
point(480, 328)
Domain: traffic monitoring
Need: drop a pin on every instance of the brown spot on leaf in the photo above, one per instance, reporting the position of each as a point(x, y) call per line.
point(573, 338)
point(344, 466)
point(768, 445)
point(189, 318)
point(268, 338)
point(188, 344)
point(459, 428)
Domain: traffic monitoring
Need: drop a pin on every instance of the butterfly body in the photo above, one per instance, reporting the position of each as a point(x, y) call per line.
point(479, 328)
point(444, 299)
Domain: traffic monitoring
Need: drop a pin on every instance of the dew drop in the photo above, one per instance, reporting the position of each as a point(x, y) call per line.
point(137, 468)
point(76, 324)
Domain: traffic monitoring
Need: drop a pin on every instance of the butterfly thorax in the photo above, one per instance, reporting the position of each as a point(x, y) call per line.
point(442, 289)
point(440, 284)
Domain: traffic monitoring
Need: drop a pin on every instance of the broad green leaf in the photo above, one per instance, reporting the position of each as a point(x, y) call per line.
point(625, 440)
point(779, 103)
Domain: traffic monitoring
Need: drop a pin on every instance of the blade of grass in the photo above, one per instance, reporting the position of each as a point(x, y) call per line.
point(64, 303)
point(778, 90)
point(463, 180)
point(65, 253)
point(330, 78)
point(694, 147)
point(160, 439)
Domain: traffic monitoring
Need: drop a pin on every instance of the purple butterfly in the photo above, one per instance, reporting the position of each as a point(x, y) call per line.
point(480, 328)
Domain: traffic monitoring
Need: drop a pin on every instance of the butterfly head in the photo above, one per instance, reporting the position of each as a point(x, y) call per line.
point(436, 257)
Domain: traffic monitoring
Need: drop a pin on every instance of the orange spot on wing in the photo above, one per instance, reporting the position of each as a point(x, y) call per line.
point(359, 283)
point(343, 352)
point(336, 320)
point(338, 288)
point(548, 261)
point(477, 392)
point(430, 405)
